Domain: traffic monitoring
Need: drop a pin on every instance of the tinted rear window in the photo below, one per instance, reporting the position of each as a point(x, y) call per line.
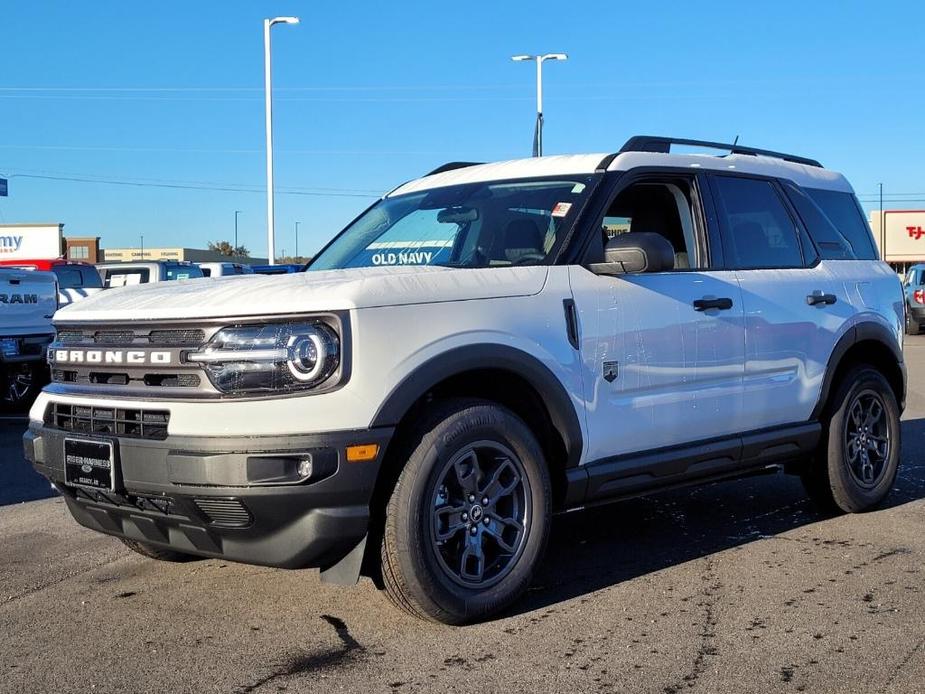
point(843, 211)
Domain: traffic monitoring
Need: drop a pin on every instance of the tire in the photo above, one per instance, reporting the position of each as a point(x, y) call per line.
point(20, 384)
point(912, 326)
point(441, 560)
point(850, 478)
point(152, 552)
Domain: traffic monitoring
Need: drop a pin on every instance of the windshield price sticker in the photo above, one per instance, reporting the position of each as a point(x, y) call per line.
point(561, 209)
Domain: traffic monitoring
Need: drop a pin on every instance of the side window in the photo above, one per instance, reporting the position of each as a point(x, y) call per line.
point(68, 277)
point(90, 278)
point(845, 215)
point(664, 208)
point(206, 271)
point(758, 231)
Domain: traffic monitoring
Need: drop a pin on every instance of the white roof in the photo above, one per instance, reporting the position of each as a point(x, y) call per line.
point(572, 164)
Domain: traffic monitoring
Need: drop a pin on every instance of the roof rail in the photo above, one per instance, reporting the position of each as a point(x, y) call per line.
point(650, 143)
point(452, 166)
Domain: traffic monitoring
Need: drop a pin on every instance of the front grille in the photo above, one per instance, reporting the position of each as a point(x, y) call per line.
point(118, 376)
point(174, 337)
point(179, 337)
point(230, 513)
point(112, 421)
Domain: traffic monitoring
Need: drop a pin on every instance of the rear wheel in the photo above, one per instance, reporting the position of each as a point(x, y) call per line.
point(857, 463)
point(468, 519)
point(912, 325)
point(153, 552)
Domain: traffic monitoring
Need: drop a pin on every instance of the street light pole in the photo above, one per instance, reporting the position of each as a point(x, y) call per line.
point(268, 99)
point(236, 213)
point(297, 239)
point(539, 59)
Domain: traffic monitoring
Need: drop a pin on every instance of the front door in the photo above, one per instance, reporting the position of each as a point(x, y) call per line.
point(662, 353)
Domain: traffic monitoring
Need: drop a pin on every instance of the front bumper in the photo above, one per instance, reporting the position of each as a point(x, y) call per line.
point(29, 348)
point(211, 496)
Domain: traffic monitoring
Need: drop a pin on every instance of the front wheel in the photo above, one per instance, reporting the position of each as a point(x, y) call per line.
point(20, 383)
point(857, 463)
point(468, 519)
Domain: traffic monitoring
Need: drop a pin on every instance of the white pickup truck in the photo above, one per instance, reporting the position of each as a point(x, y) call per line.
point(28, 300)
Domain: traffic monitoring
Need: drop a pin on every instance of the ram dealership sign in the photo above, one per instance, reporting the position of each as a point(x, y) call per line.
point(30, 241)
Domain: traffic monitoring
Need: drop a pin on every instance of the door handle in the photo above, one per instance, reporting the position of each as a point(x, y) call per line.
point(817, 298)
point(722, 303)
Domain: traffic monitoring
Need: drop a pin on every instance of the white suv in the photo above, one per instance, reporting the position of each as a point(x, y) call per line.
point(482, 347)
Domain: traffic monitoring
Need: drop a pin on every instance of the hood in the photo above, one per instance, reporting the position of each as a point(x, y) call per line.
point(304, 292)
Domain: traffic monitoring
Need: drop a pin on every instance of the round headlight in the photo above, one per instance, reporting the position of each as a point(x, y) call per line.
point(270, 357)
point(307, 356)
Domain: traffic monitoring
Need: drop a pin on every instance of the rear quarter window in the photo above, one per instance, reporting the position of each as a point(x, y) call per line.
point(845, 214)
point(831, 243)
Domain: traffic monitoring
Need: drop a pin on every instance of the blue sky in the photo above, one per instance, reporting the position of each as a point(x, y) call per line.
point(369, 94)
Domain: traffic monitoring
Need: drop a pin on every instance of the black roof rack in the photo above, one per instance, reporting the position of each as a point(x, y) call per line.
point(650, 143)
point(453, 165)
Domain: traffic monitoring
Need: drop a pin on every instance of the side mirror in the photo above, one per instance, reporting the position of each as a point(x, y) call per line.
point(635, 252)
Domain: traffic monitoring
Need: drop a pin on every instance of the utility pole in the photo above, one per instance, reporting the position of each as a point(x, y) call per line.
point(539, 59)
point(881, 231)
point(268, 103)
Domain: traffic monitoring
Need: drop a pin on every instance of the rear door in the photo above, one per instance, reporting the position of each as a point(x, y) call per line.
point(794, 307)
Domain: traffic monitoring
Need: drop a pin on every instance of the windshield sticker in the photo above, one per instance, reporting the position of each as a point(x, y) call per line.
point(561, 209)
point(578, 188)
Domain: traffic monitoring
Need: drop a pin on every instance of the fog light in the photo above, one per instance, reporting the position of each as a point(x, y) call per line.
point(305, 467)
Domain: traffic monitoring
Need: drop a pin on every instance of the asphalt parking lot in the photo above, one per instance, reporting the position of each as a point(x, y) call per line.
point(734, 587)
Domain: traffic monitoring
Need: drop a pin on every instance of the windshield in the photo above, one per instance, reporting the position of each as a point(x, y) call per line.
point(489, 224)
point(182, 272)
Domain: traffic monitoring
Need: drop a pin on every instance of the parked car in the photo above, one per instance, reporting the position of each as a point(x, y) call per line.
point(224, 269)
point(128, 274)
point(486, 345)
point(914, 291)
point(284, 269)
point(28, 300)
point(76, 280)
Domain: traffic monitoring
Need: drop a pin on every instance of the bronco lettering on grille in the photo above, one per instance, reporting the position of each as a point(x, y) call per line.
point(110, 356)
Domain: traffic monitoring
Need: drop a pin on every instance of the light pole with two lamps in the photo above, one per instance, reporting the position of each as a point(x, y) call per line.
point(539, 59)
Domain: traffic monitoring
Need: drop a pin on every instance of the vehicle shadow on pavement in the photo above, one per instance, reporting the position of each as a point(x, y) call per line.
point(597, 548)
point(18, 481)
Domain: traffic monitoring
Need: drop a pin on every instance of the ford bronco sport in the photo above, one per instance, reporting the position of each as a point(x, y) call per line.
point(483, 347)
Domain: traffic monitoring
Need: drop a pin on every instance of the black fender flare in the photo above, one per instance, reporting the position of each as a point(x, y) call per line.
point(867, 331)
point(458, 360)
